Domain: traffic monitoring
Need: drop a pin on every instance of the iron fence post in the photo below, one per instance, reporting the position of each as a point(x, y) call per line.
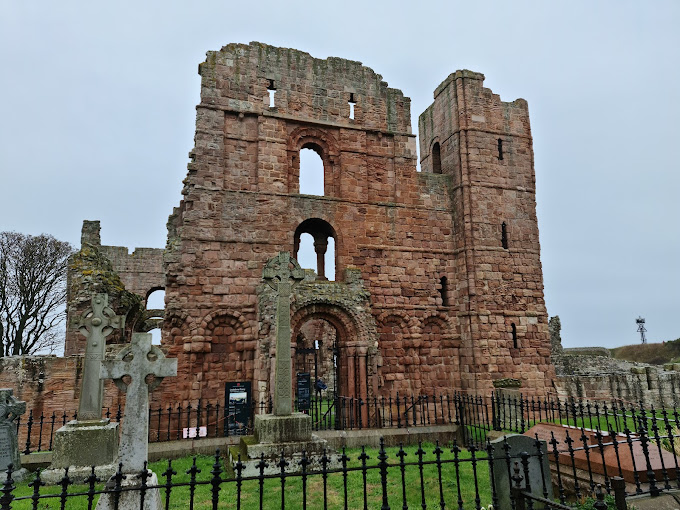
point(619, 486)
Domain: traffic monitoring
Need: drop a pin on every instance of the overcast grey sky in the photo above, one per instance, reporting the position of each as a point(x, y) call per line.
point(97, 110)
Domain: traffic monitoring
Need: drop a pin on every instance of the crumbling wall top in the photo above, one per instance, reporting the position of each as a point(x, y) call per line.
point(239, 76)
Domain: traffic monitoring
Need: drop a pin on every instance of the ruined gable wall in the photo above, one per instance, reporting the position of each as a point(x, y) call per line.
point(492, 186)
point(139, 273)
point(242, 206)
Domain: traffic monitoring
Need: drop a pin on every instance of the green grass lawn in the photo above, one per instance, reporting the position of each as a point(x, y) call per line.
point(452, 482)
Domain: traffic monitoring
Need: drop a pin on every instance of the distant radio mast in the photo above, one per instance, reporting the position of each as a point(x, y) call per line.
point(641, 329)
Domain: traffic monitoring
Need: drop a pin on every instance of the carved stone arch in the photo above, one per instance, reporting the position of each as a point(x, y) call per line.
point(229, 345)
point(324, 144)
point(344, 320)
point(338, 235)
point(304, 135)
point(199, 327)
point(409, 325)
point(152, 290)
point(435, 317)
point(397, 330)
point(355, 375)
point(449, 334)
point(320, 226)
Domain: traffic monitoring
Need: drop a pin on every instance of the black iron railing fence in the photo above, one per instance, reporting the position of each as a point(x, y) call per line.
point(431, 476)
point(475, 415)
point(479, 415)
point(627, 450)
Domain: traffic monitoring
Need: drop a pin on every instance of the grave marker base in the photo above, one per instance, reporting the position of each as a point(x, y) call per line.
point(131, 500)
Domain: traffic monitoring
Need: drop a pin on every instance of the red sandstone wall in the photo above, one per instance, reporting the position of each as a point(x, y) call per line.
point(48, 383)
point(404, 230)
point(505, 286)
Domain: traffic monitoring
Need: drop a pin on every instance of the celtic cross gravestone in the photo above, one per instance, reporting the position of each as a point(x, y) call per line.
point(139, 362)
point(283, 430)
point(90, 440)
point(96, 324)
point(281, 273)
point(138, 369)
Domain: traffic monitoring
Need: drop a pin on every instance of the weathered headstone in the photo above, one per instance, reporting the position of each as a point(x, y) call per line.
point(138, 361)
point(90, 440)
point(10, 410)
point(506, 451)
point(138, 369)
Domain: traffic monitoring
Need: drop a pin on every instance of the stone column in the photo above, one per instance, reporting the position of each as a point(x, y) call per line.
point(320, 247)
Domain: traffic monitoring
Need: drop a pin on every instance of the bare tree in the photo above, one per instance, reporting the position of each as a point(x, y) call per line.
point(32, 292)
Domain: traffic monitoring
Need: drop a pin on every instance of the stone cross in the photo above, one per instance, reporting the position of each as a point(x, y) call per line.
point(10, 410)
point(282, 273)
point(138, 369)
point(96, 324)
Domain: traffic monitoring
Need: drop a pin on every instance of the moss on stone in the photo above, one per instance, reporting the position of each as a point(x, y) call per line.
point(96, 275)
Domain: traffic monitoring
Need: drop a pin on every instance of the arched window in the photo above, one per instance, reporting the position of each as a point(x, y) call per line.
point(314, 247)
point(504, 235)
point(311, 171)
point(436, 159)
point(155, 302)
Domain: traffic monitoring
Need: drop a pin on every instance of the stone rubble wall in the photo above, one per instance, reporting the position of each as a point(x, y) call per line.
point(603, 378)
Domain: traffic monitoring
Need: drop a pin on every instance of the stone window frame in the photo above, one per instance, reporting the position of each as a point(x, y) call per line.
point(436, 161)
point(325, 145)
point(314, 226)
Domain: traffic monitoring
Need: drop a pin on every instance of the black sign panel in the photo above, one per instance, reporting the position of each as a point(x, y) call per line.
point(238, 406)
point(304, 386)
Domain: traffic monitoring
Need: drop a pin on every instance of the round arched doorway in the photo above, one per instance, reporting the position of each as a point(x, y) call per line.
point(327, 347)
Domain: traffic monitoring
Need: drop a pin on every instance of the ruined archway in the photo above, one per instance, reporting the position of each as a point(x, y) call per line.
point(347, 350)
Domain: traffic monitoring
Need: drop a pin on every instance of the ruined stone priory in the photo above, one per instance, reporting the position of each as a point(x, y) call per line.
point(437, 283)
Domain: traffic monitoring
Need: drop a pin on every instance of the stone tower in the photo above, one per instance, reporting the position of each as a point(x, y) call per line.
point(438, 282)
point(484, 146)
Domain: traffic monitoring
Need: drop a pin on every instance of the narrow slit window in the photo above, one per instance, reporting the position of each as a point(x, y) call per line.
point(514, 336)
point(504, 236)
point(271, 88)
point(500, 148)
point(352, 103)
point(444, 290)
point(436, 159)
